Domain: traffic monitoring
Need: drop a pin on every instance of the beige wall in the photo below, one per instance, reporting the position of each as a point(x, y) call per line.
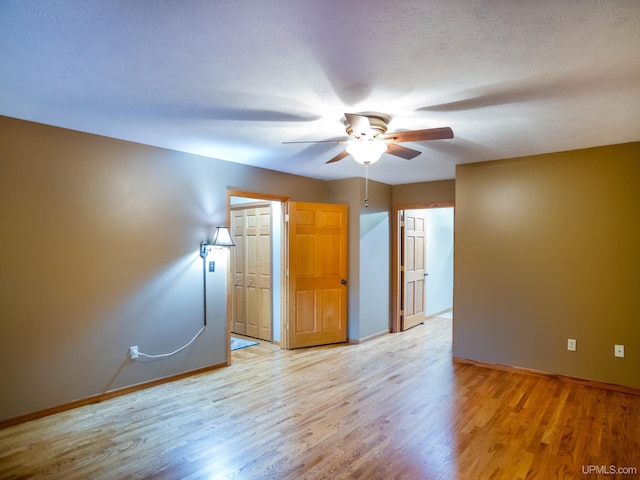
point(443, 191)
point(369, 249)
point(546, 249)
point(99, 251)
point(347, 192)
point(375, 258)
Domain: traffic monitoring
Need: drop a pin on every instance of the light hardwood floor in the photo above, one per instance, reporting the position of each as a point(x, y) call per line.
point(396, 407)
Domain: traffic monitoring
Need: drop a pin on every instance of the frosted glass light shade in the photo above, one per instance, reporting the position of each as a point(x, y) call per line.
point(366, 152)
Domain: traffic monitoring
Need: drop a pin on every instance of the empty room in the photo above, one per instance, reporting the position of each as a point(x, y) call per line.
point(218, 254)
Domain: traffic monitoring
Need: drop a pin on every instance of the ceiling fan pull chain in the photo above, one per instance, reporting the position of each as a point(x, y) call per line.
point(366, 185)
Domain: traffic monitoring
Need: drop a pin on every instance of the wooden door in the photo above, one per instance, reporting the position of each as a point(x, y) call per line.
point(317, 281)
point(238, 293)
point(413, 271)
point(263, 272)
point(251, 269)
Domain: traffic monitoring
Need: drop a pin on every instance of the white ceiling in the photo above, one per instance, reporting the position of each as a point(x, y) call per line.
point(233, 79)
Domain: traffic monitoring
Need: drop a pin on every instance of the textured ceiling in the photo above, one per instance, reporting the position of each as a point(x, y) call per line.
point(234, 79)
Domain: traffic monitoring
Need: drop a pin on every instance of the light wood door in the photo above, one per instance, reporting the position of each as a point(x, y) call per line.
point(414, 249)
point(263, 272)
point(251, 268)
point(238, 292)
point(317, 282)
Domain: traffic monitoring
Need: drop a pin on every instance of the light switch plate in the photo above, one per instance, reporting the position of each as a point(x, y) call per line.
point(618, 350)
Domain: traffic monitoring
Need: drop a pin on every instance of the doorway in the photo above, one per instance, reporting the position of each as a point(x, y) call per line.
point(308, 297)
point(251, 267)
point(256, 273)
point(422, 270)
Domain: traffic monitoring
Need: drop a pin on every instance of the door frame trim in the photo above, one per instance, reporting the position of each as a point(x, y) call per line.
point(395, 256)
point(232, 192)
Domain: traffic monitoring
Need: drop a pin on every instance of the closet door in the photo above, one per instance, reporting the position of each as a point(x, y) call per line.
point(263, 272)
point(251, 271)
point(251, 300)
point(238, 293)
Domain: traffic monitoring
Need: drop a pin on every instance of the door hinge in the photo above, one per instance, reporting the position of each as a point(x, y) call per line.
point(286, 326)
point(286, 272)
point(286, 217)
point(402, 223)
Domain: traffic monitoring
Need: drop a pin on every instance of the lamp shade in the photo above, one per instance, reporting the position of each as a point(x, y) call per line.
point(366, 152)
point(222, 238)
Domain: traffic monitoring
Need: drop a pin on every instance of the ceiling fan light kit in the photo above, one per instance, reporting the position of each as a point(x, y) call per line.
point(369, 131)
point(366, 152)
point(369, 140)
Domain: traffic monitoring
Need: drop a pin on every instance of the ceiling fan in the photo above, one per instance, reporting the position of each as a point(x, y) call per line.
point(369, 138)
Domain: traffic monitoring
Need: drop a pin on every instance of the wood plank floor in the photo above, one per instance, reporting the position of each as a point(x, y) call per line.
point(392, 408)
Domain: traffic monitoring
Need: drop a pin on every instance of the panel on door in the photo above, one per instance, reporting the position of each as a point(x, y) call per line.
point(251, 270)
point(263, 273)
point(238, 294)
point(317, 255)
point(414, 249)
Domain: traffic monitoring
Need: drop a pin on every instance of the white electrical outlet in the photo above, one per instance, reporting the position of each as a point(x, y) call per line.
point(133, 352)
point(571, 345)
point(618, 350)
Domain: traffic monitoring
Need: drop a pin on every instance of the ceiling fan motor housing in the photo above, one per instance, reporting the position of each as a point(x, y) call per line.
point(377, 126)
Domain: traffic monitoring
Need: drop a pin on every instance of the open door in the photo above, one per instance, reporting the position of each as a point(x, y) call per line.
point(414, 234)
point(317, 274)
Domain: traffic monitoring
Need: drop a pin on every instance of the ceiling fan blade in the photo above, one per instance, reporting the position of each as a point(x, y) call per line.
point(402, 152)
point(420, 135)
point(338, 157)
point(360, 125)
point(339, 142)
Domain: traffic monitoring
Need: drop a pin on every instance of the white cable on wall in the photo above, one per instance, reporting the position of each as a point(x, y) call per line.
point(164, 355)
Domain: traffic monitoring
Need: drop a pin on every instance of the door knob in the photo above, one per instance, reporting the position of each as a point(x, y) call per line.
point(343, 281)
point(426, 274)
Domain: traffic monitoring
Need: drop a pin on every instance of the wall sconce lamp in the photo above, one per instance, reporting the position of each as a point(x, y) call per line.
point(222, 238)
